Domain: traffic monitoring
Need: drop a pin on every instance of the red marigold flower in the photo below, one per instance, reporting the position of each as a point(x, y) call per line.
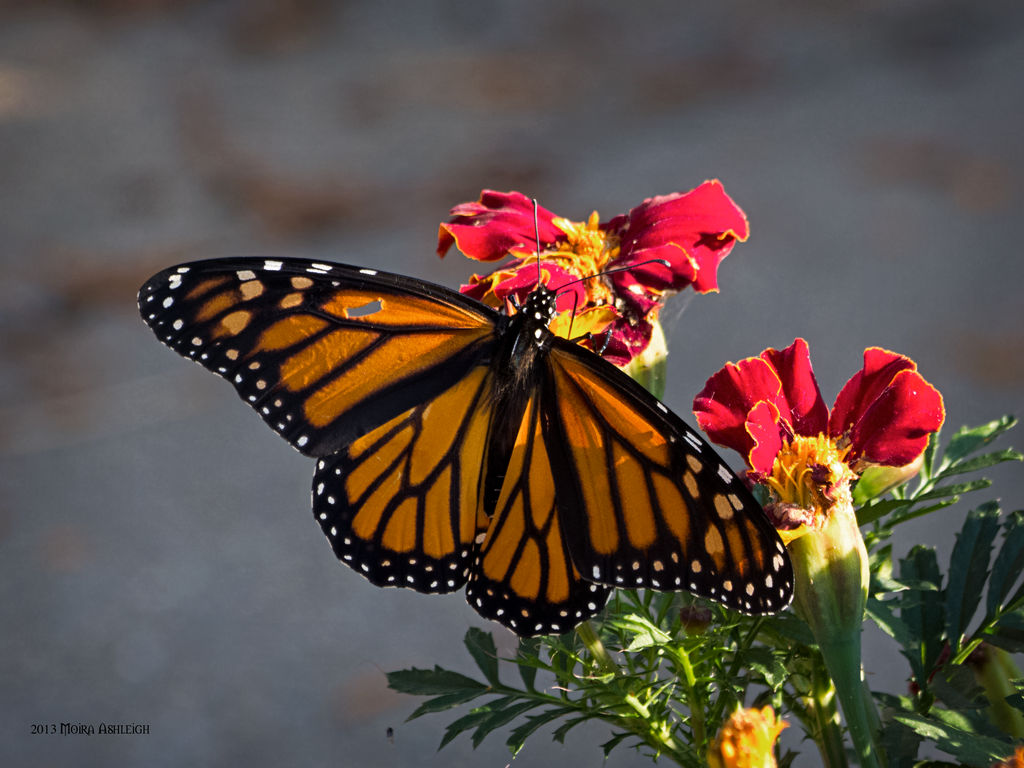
point(660, 247)
point(769, 408)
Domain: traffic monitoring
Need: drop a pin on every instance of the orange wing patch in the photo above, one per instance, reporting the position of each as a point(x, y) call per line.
point(523, 576)
point(646, 503)
point(400, 504)
point(383, 308)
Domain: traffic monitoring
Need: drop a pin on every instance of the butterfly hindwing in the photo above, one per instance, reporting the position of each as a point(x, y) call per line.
point(645, 501)
point(323, 352)
point(523, 576)
point(400, 504)
point(460, 447)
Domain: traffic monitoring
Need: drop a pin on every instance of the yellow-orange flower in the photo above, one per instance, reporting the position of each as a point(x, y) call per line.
point(747, 740)
point(1016, 760)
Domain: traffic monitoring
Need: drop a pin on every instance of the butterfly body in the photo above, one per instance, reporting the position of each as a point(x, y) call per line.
point(461, 447)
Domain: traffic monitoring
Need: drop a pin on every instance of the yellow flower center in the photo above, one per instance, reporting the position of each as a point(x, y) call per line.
point(811, 473)
point(588, 249)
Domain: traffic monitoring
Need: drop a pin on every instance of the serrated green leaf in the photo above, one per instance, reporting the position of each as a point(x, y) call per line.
point(923, 616)
point(898, 518)
point(882, 613)
point(766, 664)
point(644, 633)
point(445, 701)
point(528, 661)
point(431, 682)
point(480, 645)
point(562, 664)
point(1008, 633)
point(903, 584)
point(968, 440)
point(964, 745)
point(900, 744)
point(968, 569)
point(613, 742)
point(958, 688)
point(954, 490)
point(788, 626)
point(519, 734)
point(1016, 601)
point(1009, 562)
point(561, 731)
point(982, 462)
point(463, 724)
point(501, 717)
point(871, 512)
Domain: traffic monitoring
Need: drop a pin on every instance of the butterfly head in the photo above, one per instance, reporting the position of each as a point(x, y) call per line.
point(539, 310)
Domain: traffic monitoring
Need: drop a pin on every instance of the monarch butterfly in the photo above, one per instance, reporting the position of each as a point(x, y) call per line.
point(459, 446)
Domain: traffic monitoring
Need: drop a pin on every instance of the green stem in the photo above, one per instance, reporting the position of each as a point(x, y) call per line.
point(824, 714)
point(655, 731)
point(842, 660)
point(727, 697)
point(695, 702)
point(598, 652)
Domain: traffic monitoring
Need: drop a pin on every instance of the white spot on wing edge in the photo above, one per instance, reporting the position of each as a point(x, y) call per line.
point(246, 274)
point(724, 473)
point(273, 265)
point(368, 272)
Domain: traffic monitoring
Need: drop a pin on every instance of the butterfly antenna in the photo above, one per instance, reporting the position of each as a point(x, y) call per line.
point(536, 234)
point(562, 288)
point(626, 268)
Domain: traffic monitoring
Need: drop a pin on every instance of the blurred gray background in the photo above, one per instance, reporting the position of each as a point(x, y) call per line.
point(159, 561)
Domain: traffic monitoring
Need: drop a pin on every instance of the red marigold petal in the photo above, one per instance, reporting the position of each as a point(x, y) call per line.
point(519, 279)
point(764, 429)
point(893, 429)
point(807, 410)
point(864, 387)
point(498, 224)
point(627, 340)
point(637, 298)
point(722, 407)
point(681, 269)
point(704, 223)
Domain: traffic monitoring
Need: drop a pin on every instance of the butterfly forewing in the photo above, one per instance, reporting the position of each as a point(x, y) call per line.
point(323, 352)
point(458, 446)
point(644, 501)
point(523, 576)
point(400, 504)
